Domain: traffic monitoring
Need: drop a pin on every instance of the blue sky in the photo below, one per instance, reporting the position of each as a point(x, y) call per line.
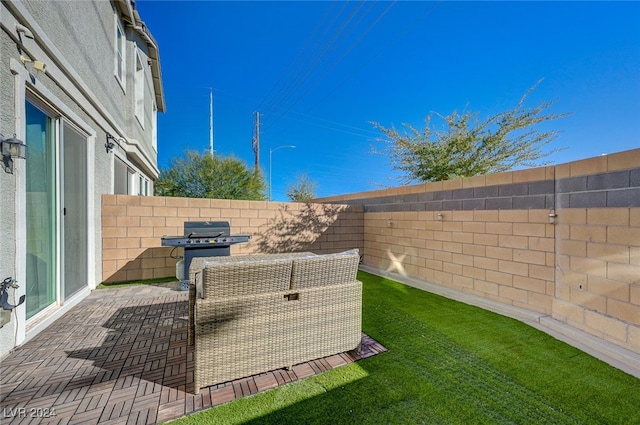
point(320, 72)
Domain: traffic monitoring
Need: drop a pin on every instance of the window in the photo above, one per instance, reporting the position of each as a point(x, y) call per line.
point(120, 54)
point(124, 178)
point(143, 186)
point(120, 176)
point(139, 89)
point(154, 126)
point(127, 180)
point(131, 179)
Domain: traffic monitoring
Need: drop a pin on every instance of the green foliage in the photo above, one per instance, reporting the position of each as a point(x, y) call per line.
point(198, 175)
point(302, 189)
point(469, 147)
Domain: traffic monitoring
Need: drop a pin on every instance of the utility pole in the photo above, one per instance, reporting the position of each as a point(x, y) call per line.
point(256, 141)
point(211, 121)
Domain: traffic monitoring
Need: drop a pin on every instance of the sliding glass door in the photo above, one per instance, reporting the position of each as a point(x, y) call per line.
point(41, 209)
point(56, 210)
point(74, 210)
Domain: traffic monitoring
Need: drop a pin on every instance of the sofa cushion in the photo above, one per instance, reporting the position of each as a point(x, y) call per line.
point(229, 279)
point(328, 269)
point(198, 263)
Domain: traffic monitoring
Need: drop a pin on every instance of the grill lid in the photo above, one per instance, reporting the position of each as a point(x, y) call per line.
point(206, 229)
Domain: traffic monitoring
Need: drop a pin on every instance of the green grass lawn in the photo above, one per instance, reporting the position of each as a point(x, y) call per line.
point(448, 363)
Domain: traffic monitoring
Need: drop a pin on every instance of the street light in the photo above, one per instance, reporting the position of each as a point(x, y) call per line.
point(271, 151)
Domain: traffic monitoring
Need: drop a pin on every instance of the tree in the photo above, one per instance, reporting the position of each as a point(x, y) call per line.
point(196, 175)
point(302, 189)
point(469, 147)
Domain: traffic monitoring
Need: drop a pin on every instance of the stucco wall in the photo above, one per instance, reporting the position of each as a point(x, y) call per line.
point(7, 193)
point(75, 44)
point(68, 27)
point(132, 227)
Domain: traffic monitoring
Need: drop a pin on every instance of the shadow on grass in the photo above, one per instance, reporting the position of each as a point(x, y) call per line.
point(432, 380)
point(448, 363)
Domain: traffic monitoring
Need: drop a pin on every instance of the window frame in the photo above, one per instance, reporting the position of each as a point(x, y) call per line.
point(139, 87)
point(120, 54)
point(154, 125)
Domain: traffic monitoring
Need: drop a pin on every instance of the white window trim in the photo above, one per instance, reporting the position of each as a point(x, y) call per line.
point(139, 88)
point(132, 173)
point(134, 177)
point(154, 125)
point(120, 61)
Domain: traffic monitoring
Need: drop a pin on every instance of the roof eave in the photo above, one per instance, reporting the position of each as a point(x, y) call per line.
point(131, 15)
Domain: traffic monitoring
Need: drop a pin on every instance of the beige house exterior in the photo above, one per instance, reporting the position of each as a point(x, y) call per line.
point(81, 88)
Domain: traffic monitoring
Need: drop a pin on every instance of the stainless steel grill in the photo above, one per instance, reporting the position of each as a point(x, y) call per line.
point(203, 239)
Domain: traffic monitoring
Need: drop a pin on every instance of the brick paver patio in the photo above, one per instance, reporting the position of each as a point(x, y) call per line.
point(121, 357)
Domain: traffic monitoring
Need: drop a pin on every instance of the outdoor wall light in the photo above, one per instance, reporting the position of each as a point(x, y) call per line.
point(109, 145)
point(552, 218)
point(13, 147)
point(439, 216)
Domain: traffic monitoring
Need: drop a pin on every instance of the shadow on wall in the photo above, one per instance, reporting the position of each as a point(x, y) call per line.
point(152, 263)
point(294, 230)
point(320, 228)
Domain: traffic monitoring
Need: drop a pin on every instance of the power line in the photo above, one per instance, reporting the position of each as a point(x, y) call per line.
point(335, 123)
point(380, 51)
point(330, 69)
point(295, 58)
point(299, 78)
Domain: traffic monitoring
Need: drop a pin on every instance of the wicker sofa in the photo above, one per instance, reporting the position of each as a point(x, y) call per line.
point(256, 313)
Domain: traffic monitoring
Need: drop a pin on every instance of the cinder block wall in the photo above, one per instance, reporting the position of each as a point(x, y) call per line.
point(598, 247)
point(488, 235)
point(133, 225)
point(563, 241)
